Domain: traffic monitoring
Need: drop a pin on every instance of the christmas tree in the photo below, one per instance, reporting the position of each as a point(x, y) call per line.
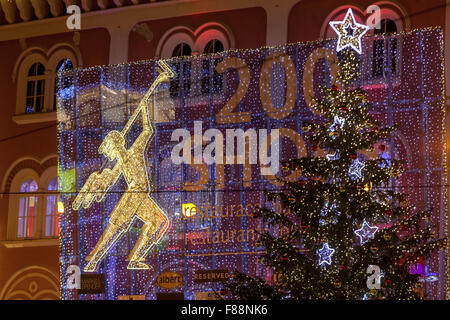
point(351, 235)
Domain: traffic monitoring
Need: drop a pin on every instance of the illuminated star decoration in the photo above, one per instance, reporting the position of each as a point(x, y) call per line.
point(326, 210)
point(366, 232)
point(334, 156)
point(349, 32)
point(325, 254)
point(337, 122)
point(355, 169)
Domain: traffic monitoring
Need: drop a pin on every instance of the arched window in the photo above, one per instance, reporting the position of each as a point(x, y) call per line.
point(182, 49)
point(386, 26)
point(213, 46)
point(26, 223)
point(51, 222)
point(182, 70)
point(35, 88)
point(65, 82)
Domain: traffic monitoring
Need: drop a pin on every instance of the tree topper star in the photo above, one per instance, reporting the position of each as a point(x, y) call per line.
point(349, 32)
point(366, 232)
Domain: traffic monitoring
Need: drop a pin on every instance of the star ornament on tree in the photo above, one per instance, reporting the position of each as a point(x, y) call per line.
point(366, 232)
point(355, 169)
point(325, 254)
point(349, 32)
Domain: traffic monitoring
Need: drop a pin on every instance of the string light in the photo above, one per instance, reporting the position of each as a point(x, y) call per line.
point(80, 137)
point(132, 165)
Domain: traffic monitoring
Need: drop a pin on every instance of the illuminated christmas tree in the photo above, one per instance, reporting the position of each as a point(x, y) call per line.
point(351, 235)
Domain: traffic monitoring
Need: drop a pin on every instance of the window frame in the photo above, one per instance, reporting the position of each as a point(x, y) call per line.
point(22, 82)
point(35, 79)
point(55, 215)
point(56, 57)
point(50, 60)
point(42, 197)
point(26, 217)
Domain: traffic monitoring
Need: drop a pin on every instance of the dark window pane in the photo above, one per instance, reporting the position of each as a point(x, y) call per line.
point(182, 49)
point(40, 69)
point(39, 103)
point(60, 65)
point(30, 88)
point(67, 81)
point(40, 87)
point(32, 71)
point(64, 65)
point(386, 26)
point(213, 46)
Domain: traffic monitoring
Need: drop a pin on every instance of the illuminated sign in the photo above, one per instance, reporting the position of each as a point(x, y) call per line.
point(169, 280)
point(92, 283)
point(201, 276)
point(189, 209)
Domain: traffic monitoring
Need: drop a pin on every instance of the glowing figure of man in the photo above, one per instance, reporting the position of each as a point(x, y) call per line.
point(136, 201)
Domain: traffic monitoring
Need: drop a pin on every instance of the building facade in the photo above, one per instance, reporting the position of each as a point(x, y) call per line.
point(36, 43)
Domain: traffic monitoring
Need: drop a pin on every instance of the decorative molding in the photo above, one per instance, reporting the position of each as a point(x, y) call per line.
point(33, 276)
point(37, 165)
point(40, 8)
point(11, 244)
point(56, 7)
point(196, 39)
point(143, 30)
point(37, 117)
point(119, 3)
point(25, 9)
point(10, 9)
point(103, 4)
point(87, 5)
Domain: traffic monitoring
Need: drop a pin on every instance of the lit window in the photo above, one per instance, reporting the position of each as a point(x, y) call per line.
point(35, 88)
point(51, 212)
point(65, 82)
point(182, 70)
point(213, 46)
point(26, 224)
point(385, 51)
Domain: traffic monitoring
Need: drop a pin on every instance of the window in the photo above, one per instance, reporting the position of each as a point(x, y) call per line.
point(213, 46)
point(51, 221)
point(35, 88)
point(385, 51)
point(27, 210)
point(66, 81)
point(183, 49)
point(182, 70)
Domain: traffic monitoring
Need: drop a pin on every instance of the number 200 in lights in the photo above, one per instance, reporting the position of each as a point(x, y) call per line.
point(269, 164)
